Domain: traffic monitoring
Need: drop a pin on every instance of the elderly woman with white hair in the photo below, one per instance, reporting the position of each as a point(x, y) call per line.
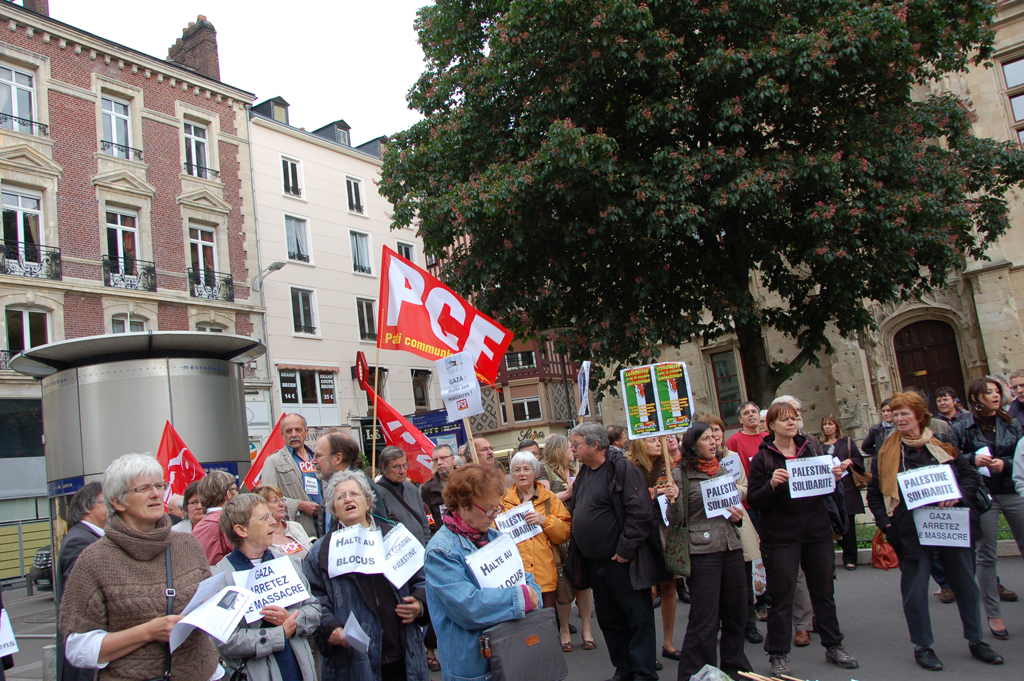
point(392, 618)
point(538, 552)
point(114, 608)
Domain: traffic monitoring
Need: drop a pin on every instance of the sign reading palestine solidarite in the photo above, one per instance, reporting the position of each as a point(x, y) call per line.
point(657, 399)
point(810, 476)
point(928, 485)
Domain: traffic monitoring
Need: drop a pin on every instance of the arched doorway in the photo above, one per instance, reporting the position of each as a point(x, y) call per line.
point(928, 358)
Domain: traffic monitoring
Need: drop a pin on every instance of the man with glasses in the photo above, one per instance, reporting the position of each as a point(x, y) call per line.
point(404, 499)
point(430, 492)
point(336, 452)
point(485, 452)
point(616, 543)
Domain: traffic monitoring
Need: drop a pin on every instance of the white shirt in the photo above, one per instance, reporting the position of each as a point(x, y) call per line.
point(98, 531)
point(83, 651)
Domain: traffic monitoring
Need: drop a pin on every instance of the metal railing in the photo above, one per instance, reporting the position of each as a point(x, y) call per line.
point(362, 269)
point(19, 541)
point(129, 273)
point(5, 360)
point(305, 329)
point(120, 150)
point(211, 285)
point(23, 259)
point(301, 257)
point(201, 171)
point(24, 125)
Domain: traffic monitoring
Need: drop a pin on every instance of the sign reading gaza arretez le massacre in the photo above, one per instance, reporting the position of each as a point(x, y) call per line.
point(943, 526)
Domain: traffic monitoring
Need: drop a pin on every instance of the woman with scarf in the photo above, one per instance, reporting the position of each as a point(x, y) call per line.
point(914, 446)
point(718, 581)
point(459, 608)
point(272, 648)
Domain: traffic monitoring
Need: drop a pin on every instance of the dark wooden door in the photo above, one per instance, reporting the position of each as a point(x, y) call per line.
point(928, 359)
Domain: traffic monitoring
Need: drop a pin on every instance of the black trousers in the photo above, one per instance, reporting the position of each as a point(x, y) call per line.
point(718, 597)
point(751, 596)
point(914, 578)
point(782, 562)
point(849, 543)
point(626, 618)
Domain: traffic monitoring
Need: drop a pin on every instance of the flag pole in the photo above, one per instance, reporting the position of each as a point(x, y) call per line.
point(469, 440)
point(376, 378)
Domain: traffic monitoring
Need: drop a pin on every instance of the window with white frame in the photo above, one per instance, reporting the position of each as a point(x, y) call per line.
point(297, 237)
point(26, 329)
point(209, 327)
point(407, 251)
point(290, 173)
point(367, 325)
point(303, 317)
point(354, 188)
point(421, 388)
point(526, 409)
point(196, 162)
point(122, 242)
point(17, 99)
point(117, 125)
point(127, 323)
point(361, 253)
point(23, 237)
point(727, 385)
point(301, 386)
point(520, 360)
point(202, 244)
point(381, 383)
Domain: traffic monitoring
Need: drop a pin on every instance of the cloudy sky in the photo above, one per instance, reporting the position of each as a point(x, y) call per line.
point(330, 59)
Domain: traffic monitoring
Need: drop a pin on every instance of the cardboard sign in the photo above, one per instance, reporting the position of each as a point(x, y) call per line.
point(928, 485)
point(657, 399)
point(943, 526)
point(403, 556)
point(356, 549)
point(513, 523)
point(810, 477)
point(733, 464)
point(497, 565)
point(274, 582)
point(460, 391)
point(8, 644)
point(583, 383)
point(719, 494)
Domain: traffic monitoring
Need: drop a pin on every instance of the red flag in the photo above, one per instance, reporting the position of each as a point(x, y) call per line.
point(421, 315)
point(402, 434)
point(274, 443)
point(180, 468)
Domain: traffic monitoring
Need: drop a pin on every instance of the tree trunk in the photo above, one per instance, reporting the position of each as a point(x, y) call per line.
point(757, 369)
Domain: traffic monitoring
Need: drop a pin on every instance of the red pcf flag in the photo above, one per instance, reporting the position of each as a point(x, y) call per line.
point(274, 443)
point(180, 468)
point(407, 437)
point(421, 315)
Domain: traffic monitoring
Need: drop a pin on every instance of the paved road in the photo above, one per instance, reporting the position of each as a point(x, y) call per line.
point(870, 613)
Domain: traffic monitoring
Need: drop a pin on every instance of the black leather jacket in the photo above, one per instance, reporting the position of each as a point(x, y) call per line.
point(966, 436)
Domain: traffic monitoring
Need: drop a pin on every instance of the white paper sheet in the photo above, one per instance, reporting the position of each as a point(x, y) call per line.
point(719, 495)
point(984, 470)
point(733, 464)
point(663, 505)
point(356, 549)
point(928, 485)
point(943, 526)
point(274, 582)
point(217, 616)
point(513, 523)
point(497, 565)
point(810, 476)
point(354, 634)
point(403, 556)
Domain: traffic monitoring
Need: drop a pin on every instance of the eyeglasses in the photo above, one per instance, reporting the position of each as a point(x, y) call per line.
point(143, 489)
point(399, 467)
point(447, 457)
point(342, 496)
point(265, 517)
point(574, 445)
point(489, 513)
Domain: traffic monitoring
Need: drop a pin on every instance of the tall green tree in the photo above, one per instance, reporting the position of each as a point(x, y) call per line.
point(637, 171)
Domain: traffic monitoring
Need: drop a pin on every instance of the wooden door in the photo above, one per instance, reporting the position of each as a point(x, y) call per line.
point(928, 359)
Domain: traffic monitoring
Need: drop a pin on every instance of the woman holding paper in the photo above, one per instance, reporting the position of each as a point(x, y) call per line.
point(114, 609)
point(796, 531)
point(844, 449)
point(275, 646)
point(717, 581)
point(390, 617)
point(913, 446)
point(987, 437)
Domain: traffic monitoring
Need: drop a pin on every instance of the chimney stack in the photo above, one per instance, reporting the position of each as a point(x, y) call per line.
point(37, 6)
point(197, 48)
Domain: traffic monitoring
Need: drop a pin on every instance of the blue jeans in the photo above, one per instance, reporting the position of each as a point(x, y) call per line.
point(626, 618)
point(959, 566)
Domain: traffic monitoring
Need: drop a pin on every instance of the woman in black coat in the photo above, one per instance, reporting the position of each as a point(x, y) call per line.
point(837, 445)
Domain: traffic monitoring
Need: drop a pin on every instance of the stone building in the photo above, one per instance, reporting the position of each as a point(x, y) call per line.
point(127, 204)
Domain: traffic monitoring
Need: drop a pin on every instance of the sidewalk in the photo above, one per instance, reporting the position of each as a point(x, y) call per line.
point(30, 616)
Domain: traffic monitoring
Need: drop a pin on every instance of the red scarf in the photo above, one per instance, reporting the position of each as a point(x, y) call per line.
point(456, 524)
point(708, 466)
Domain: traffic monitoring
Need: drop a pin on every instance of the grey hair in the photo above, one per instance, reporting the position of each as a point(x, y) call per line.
point(789, 399)
point(122, 474)
point(83, 501)
point(176, 501)
point(389, 454)
point(594, 434)
point(525, 457)
point(459, 461)
point(238, 511)
point(440, 447)
point(331, 488)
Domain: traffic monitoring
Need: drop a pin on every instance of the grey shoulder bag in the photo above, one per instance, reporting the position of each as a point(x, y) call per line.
point(529, 649)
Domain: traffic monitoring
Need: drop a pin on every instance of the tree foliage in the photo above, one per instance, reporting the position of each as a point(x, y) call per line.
point(626, 168)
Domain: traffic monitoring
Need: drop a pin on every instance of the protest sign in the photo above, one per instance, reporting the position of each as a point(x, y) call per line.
point(583, 383)
point(217, 615)
point(274, 582)
point(928, 485)
point(663, 505)
point(403, 556)
point(657, 399)
point(356, 549)
point(719, 494)
point(460, 391)
point(943, 526)
point(810, 476)
point(513, 523)
point(733, 464)
point(758, 576)
point(8, 644)
point(497, 565)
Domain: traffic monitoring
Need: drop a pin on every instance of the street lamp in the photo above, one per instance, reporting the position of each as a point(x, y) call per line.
point(258, 279)
point(257, 282)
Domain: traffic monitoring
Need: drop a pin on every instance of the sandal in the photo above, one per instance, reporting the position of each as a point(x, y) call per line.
point(432, 664)
point(589, 645)
point(567, 647)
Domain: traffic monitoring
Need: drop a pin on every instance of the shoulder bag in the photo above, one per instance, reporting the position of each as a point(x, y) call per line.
point(529, 649)
point(677, 545)
point(169, 592)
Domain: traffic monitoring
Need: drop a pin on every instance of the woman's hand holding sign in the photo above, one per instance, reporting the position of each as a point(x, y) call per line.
point(671, 491)
point(534, 518)
point(779, 476)
point(737, 514)
point(838, 471)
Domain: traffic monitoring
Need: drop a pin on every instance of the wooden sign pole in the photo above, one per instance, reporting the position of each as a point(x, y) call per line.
point(469, 440)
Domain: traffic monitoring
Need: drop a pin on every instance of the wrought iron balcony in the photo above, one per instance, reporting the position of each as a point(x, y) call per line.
point(301, 257)
point(5, 360)
point(368, 335)
point(30, 260)
point(211, 285)
point(305, 329)
point(201, 171)
point(129, 273)
point(120, 150)
point(24, 125)
point(363, 269)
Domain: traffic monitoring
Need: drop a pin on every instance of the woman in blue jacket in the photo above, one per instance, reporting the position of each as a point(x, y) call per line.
point(459, 608)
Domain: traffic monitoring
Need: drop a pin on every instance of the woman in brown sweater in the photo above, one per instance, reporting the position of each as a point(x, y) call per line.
point(114, 609)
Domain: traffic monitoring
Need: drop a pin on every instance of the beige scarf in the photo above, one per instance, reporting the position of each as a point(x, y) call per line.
point(889, 461)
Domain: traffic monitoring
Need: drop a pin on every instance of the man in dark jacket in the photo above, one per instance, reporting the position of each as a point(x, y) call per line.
point(615, 542)
point(878, 432)
point(430, 491)
point(403, 497)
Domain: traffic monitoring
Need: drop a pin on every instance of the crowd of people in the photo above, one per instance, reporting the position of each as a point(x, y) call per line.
point(623, 530)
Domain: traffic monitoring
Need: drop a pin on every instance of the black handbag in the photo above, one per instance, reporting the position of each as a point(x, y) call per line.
point(982, 501)
point(529, 649)
point(170, 611)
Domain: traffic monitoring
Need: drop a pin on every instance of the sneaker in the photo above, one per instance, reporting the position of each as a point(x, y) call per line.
point(927, 658)
point(753, 635)
point(983, 651)
point(761, 614)
point(1007, 595)
point(946, 595)
point(780, 664)
point(838, 656)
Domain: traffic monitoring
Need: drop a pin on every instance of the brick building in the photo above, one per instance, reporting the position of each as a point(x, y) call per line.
point(127, 200)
